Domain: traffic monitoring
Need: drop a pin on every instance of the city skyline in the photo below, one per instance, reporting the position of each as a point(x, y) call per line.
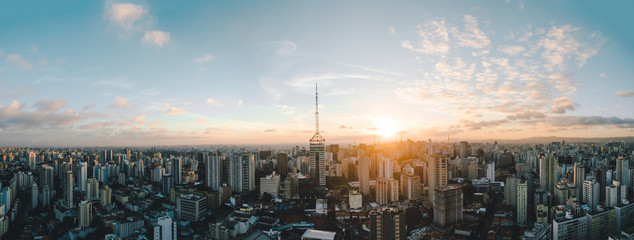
point(141, 73)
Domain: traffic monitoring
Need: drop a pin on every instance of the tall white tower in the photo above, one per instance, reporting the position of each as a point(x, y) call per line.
point(317, 149)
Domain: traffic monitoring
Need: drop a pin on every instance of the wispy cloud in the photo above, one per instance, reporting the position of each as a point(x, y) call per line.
point(18, 62)
point(120, 102)
point(627, 93)
point(127, 18)
point(116, 83)
point(206, 58)
point(139, 119)
point(174, 111)
point(156, 38)
point(214, 102)
point(49, 105)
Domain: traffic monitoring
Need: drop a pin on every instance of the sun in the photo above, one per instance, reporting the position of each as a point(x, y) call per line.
point(386, 127)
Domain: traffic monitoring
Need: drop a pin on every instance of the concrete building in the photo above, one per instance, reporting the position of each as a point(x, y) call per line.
point(191, 207)
point(439, 175)
point(82, 176)
point(355, 200)
point(388, 224)
point(282, 165)
point(393, 190)
point(591, 191)
point(242, 172)
point(34, 196)
point(522, 201)
point(68, 189)
point(270, 184)
point(364, 174)
point(447, 206)
point(165, 229)
point(92, 189)
point(85, 214)
point(213, 171)
point(106, 196)
point(382, 191)
point(602, 224)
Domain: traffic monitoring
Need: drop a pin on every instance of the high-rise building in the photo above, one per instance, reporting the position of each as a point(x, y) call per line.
point(439, 165)
point(282, 165)
point(447, 205)
point(92, 189)
point(510, 191)
point(106, 196)
point(270, 184)
point(47, 175)
point(490, 167)
point(177, 170)
point(34, 196)
point(410, 183)
point(165, 229)
point(355, 200)
point(85, 214)
point(68, 189)
point(591, 193)
point(389, 224)
point(82, 175)
point(382, 191)
point(393, 190)
point(611, 196)
point(602, 224)
point(570, 228)
point(364, 174)
point(579, 178)
point(168, 183)
point(547, 170)
point(522, 198)
point(463, 149)
point(317, 149)
point(242, 172)
point(46, 196)
point(213, 171)
point(191, 207)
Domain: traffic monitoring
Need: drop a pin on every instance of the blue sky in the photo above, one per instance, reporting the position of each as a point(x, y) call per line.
point(201, 72)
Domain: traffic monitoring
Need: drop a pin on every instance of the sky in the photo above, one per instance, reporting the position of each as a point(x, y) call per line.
point(115, 73)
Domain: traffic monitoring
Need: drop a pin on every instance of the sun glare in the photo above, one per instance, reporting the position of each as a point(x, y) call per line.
point(386, 127)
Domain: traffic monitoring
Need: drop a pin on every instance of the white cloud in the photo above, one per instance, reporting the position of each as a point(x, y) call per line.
point(240, 103)
point(139, 119)
point(120, 102)
point(205, 58)
point(213, 102)
point(562, 104)
point(127, 18)
point(174, 111)
point(434, 39)
point(512, 50)
point(561, 44)
point(49, 105)
point(156, 37)
point(33, 49)
point(116, 83)
point(18, 61)
point(201, 120)
point(627, 93)
point(392, 30)
point(602, 75)
point(472, 36)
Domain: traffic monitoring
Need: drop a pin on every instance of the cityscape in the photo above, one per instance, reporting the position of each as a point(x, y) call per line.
point(316, 120)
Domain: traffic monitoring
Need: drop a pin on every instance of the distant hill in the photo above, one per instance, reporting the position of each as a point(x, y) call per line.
point(567, 139)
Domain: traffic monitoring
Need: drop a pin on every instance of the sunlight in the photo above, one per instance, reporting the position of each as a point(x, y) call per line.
point(386, 127)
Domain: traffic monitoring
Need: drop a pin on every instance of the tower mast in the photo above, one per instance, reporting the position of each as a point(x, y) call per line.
point(316, 109)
